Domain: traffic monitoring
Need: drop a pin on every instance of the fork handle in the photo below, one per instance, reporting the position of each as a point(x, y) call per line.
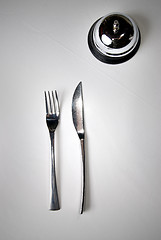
point(83, 176)
point(54, 194)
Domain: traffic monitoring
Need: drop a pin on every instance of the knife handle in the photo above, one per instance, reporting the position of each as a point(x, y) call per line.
point(83, 176)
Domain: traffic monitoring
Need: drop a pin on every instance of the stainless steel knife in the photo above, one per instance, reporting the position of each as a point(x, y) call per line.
point(78, 120)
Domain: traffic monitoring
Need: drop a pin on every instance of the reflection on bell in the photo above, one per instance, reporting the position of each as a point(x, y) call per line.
point(114, 38)
point(106, 40)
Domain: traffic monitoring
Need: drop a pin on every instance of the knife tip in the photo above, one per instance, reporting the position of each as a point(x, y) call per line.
point(80, 83)
point(79, 87)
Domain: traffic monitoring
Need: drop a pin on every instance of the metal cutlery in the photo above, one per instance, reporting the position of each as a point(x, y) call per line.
point(52, 120)
point(78, 121)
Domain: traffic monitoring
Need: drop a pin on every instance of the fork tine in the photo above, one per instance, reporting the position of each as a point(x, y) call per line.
point(57, 102)
point(50, 103)
point(54, 107)
point(46, 103)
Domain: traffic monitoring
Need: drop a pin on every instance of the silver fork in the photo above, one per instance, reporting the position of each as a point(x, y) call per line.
point(52, 120)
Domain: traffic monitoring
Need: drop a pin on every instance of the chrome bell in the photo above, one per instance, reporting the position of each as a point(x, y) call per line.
point(114, 38)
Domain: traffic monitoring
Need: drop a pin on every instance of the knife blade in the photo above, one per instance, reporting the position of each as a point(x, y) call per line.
point(78, 121)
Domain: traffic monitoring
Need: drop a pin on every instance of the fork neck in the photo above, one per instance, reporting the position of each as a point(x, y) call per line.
point(52, 134)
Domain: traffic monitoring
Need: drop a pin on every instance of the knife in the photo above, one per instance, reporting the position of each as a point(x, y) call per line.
point(78, 121)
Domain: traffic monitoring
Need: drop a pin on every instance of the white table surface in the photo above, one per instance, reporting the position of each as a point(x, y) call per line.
point(43, 46)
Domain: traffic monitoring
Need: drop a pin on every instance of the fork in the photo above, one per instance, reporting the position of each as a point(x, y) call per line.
point(52, 120)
